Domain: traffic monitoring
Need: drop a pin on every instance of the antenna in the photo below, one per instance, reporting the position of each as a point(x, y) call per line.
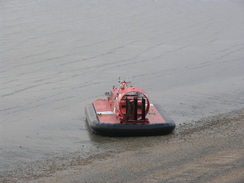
point(129, 78)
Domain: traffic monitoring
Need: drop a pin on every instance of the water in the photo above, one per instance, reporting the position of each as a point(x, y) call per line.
point(57, 56)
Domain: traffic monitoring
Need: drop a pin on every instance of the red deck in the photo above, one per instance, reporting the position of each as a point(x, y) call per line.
point(106, 114)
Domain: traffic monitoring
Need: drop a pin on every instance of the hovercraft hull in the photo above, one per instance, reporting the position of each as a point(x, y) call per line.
point(113, 128)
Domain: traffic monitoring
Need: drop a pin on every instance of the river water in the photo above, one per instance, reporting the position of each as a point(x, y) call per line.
point(56, 56)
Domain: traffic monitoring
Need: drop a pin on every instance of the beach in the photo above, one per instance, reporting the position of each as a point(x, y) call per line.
point(211, 150)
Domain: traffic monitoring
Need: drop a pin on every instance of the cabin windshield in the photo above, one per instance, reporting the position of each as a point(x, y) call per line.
point(138, 94)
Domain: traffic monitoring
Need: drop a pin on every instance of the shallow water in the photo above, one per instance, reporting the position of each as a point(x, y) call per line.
point(58, 56)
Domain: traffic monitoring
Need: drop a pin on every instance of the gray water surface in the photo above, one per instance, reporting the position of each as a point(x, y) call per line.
point(57, 56)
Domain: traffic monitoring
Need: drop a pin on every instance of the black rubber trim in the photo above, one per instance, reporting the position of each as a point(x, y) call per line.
point(108, 129)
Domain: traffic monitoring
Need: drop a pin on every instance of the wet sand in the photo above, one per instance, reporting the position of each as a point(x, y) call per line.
point(208, 150)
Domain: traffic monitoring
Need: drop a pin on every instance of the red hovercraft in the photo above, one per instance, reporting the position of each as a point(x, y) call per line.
point(127, 111)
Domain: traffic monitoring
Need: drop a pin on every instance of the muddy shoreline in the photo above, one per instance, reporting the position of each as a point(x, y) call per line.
point(210, 149)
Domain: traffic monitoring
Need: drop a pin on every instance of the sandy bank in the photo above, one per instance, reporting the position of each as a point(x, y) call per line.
point(211, 150)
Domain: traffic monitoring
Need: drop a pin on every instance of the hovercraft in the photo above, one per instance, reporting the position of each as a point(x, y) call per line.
point(127, 111)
